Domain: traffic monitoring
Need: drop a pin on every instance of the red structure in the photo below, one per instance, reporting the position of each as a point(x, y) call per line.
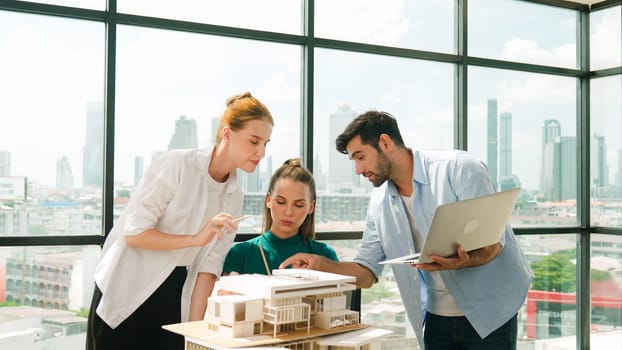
point(539, 299)
point(2, 283)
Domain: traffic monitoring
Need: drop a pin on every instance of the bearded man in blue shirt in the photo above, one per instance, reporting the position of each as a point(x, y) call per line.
point(466, 301)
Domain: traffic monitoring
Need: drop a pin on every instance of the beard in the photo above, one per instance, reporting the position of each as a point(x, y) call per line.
point(381, 174)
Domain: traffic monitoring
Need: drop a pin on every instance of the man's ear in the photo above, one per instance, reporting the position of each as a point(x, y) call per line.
point(385, 142)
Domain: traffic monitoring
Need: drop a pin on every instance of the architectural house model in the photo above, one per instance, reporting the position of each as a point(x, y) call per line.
point(290, 299)
point(292, 308)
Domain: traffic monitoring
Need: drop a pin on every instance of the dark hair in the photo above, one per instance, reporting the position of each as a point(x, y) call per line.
point(369, 126)
point(240, 110)
point(293, 169)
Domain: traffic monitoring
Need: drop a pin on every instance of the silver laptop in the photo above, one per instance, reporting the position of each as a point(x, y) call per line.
point(472, 223)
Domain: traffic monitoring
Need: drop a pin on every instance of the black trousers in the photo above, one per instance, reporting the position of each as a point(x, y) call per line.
point(143, 328)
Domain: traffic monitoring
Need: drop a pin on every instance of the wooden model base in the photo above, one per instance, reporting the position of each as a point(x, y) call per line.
point(198, 332)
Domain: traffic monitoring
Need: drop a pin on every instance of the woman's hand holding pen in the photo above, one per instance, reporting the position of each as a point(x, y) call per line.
point(220, 224)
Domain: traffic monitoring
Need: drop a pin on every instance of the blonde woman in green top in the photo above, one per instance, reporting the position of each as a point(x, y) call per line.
point(289, 225)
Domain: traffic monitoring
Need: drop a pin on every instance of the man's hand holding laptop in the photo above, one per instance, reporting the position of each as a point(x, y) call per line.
point(462, 259)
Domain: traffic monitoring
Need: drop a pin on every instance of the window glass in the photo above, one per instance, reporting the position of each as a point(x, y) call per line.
point(548, 318)
point(171, 92)
point(89, 4)
point(45, 295)
point(418, 24)
point(605, 38)
point(51, 139)
point(271, 15)
point(381, 305)
point(523, 125)
point(606, 290)
point(606, 151)
point(418, 93)
point(523, 32)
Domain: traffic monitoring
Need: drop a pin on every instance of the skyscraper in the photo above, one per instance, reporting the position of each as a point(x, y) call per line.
point(318, 174)
point(185, 135)
point(138, 169)
point(598, 161)
point(93, 151)
point(491, 145)
point(550, 172)
point(505, 145)
point(560, 176)
point(568, 164)
point(5, 163)
point(341, 174)
point(550, 131)
point(64, 175)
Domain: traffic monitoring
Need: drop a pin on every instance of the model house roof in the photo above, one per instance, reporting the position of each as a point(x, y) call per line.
point(288, 283)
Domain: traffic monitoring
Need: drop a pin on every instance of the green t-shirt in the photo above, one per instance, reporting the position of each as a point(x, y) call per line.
point(245, 257)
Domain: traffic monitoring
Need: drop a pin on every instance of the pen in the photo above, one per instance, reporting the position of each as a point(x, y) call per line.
point(240, 218)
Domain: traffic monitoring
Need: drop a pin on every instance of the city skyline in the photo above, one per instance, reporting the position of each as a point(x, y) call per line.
point(499, 150)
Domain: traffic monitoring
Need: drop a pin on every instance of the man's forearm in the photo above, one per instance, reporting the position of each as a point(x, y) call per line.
point(484, 255)
point(364, 277)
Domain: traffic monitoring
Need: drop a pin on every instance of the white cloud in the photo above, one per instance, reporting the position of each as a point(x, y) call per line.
point(367, 21)
point(273, 15)
point(396, 94)
point(605, 39)
point(524, 50)
point(536, 88)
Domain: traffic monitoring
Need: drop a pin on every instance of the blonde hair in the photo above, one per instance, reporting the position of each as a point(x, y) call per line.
point(240, 110)
point(292, 169)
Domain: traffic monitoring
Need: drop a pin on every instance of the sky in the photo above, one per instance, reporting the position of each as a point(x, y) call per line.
point(51, 68)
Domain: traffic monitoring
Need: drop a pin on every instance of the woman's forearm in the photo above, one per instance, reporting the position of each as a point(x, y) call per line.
point(201, 292)
point(158, 240)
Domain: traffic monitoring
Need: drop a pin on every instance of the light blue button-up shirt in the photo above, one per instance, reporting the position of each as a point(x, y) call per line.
point(489, 295)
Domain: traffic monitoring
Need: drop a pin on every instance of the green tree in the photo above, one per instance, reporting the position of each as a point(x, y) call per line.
point(555, 272)
point(84, 312)
point(378, 292)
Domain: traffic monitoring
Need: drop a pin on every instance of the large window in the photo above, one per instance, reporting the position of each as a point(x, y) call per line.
point(51, 139)
point(418, 93)
point(82, 88)
point(605, 38)
point(514, 31)
point(550, 311)
point(605, 280)
point(606, 151)
point(272, 15)
point(415, 24)
point(524, 126)
point(45, 295)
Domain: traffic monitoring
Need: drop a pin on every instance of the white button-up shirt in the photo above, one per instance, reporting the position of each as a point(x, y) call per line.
point(173, 197)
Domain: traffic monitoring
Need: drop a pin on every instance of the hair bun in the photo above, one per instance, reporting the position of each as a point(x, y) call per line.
point(293, 162)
